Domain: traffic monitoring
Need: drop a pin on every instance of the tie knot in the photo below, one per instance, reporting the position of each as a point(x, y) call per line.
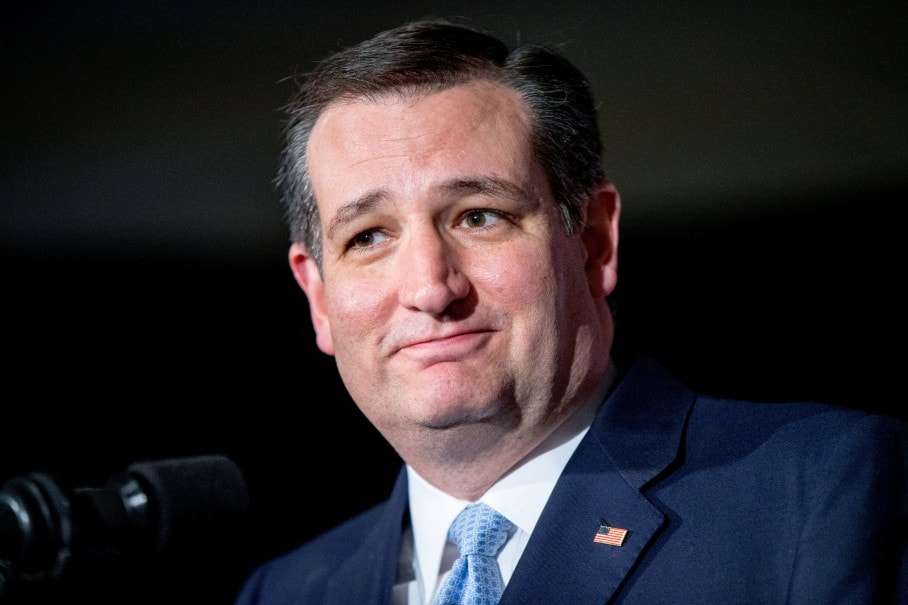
point(479, 529)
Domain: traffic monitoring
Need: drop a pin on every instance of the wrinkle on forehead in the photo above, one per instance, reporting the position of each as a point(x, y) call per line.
point(412, 129)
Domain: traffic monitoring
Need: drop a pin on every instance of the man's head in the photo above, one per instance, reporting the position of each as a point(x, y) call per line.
point(461, 292)
point(431, 56)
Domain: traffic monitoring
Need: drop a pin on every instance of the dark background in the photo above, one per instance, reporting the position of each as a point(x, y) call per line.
point(148, 311)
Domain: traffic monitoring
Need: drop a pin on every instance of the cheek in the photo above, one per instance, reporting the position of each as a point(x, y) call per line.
point(520, 283)
point(357, 309)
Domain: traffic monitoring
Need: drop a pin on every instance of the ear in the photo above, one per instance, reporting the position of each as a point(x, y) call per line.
point(600, 239)
point(309, 278)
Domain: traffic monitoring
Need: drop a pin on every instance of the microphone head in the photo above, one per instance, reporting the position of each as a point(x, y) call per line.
point(192, 500)
point(35, 525)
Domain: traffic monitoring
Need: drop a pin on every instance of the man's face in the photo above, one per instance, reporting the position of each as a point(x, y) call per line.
point(449, 292)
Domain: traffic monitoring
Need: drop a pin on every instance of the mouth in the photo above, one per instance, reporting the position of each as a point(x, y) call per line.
point(447, 347)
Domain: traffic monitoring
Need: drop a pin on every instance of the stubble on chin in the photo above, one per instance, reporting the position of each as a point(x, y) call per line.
point(461, 438)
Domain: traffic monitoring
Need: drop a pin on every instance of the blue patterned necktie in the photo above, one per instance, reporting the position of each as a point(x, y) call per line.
point(480, 532)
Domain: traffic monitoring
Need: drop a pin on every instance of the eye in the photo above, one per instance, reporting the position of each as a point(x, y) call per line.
point(367, 239)
point(480, 219)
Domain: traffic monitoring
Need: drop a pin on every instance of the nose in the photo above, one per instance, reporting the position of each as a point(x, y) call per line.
point(430, 277)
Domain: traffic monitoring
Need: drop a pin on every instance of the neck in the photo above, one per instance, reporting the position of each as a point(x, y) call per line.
point(467, 472)
point(467, 461)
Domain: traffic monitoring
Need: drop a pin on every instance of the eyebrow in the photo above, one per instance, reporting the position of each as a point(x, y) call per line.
point(480, 185)
point(351, 210)
point(485, 185)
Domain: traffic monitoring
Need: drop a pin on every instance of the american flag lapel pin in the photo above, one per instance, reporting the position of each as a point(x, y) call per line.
point(613, 536)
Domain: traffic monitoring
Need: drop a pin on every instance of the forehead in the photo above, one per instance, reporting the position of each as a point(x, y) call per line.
point(402, 143)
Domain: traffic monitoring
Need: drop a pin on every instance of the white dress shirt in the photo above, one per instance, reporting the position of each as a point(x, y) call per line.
point(426, 555)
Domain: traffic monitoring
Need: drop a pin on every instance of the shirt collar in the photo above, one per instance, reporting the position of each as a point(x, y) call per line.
point(520, 495)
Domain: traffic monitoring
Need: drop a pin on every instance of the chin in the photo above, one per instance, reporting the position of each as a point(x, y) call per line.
point(445, 409)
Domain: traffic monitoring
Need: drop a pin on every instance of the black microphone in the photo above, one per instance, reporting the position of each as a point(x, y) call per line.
point(152, 507)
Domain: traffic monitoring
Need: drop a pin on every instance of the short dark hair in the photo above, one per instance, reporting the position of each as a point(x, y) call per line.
point(429, 56)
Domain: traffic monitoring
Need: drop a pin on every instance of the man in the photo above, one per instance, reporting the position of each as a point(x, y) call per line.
point(456, 239)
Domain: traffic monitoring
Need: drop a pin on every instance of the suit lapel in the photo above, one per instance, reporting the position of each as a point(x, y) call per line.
point(368, 576)
point(635, 436)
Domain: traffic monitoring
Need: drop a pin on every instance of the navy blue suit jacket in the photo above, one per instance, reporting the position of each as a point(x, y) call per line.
point(725, 502)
